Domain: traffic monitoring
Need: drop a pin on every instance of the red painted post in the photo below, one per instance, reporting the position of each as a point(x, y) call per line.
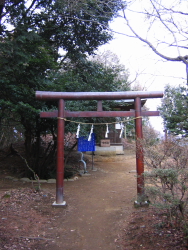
point(60, 154)
point(139, 148)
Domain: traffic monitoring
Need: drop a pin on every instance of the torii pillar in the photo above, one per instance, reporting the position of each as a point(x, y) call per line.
point(60, 155)
point(99, 96)
point(139, 149)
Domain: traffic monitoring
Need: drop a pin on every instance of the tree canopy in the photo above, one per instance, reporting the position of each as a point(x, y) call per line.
point(174, 110)
point(44, 45)
point(77, 27)
point(32, 34)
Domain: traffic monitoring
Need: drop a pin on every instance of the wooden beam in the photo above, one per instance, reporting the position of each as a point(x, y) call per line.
point(71, 114)
point(121, 95)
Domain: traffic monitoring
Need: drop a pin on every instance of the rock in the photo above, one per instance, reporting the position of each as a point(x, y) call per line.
point(25, 179)
point(51, 180)
point(9, 177)
point(40, 181)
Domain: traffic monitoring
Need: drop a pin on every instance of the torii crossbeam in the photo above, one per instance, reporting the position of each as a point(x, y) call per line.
point(61, 97)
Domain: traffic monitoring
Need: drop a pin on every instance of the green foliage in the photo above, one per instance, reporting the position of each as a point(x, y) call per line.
point(174, 110)
point(24, 59)
point(11, 132)
point(32, 34)
point(89, 76)
point(6, 195)
point(77, 27)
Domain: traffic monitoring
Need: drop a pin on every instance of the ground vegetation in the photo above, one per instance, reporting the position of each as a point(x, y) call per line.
point(166, 181)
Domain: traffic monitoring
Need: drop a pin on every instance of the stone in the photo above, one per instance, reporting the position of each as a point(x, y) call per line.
point(51, 180)
point(39, 181)
point(9, 177)
point(25, 179)
point(132, 171)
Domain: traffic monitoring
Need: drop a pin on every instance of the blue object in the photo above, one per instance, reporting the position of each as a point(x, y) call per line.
point(85, 145)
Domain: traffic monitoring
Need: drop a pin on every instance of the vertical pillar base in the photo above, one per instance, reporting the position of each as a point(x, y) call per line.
point(63, 204)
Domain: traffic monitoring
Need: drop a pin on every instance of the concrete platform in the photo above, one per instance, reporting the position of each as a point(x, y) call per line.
point(112, 150)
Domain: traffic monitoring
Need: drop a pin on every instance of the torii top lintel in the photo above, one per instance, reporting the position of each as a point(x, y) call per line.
point(123, 95)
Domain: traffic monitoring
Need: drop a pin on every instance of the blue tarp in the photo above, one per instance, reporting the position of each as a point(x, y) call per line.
point(85, 145)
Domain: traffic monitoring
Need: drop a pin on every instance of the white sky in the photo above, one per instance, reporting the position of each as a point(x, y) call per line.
point(154, 73)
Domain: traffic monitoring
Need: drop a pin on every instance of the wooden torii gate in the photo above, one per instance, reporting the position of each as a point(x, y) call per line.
point(61, 114)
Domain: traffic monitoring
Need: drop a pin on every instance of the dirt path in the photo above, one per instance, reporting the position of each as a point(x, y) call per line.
point(97, 206)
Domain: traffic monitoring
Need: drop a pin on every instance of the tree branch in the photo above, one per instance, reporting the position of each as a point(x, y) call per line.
point(175, 59)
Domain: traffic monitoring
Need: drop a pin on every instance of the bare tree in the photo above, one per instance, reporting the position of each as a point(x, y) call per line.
point(164, 27)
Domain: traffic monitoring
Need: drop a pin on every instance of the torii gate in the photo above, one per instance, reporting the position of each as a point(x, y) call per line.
point(61, 114)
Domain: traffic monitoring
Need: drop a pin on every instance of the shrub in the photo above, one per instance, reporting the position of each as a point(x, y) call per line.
point(166, 179)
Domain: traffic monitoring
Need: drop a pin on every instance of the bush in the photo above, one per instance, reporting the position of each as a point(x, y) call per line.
point(167, 179)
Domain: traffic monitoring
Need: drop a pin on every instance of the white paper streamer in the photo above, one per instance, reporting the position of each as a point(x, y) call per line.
point(122, 128)
point(107, 131)
point(89, 138)
point(78, 131)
